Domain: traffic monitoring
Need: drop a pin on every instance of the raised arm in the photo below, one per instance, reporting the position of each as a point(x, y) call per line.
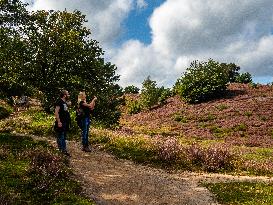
point(93, 103)
point(90, 105)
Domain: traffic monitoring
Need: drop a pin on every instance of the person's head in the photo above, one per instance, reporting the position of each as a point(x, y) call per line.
point(82, 96)
point(64, 94)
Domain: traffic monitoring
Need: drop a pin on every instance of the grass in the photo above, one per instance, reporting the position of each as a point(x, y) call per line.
point(258, 153)
point(33, 173)
point(243, 193)
point(35, 121)
point(140, 146)
point(5, 111)
point(222, 107)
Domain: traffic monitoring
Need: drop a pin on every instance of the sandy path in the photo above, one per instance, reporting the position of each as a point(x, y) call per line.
point(108, 180)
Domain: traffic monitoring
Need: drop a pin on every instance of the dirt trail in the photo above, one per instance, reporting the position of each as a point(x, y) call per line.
point(113, 181)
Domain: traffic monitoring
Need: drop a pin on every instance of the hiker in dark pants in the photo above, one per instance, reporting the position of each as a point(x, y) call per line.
point(85, 121)
point(63, 121)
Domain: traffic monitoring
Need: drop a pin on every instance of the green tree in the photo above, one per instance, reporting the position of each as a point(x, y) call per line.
point(202, 81)
point(13, 48)
point(52, 50)
point(131, 89)
point(232, 70)
point(64, 56)
point(244, 78)
point(150, 93)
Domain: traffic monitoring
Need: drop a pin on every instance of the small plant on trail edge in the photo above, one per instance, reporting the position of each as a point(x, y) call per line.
point(169, 150)
point(212, 159)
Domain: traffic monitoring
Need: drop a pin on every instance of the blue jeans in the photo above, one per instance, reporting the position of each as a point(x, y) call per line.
point(61, 141)
point(85, 130)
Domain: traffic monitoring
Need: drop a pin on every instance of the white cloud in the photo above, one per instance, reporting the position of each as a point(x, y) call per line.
point(237, 31)
point(185, 30)
point(104, 16)
point(136, 61)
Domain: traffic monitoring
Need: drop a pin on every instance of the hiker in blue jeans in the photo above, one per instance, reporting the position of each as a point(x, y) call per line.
point(85, 121)
point(63, 121)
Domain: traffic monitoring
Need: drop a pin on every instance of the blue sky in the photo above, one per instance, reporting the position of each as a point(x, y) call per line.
point(161, 38)
point(137, 23)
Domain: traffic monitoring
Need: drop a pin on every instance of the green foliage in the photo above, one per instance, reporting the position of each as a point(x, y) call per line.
point(244, 78)
point(221, 107)
point(242, 193)
point(151, 95)
point(52, 51)
point(32, 173)
point(253, 85)
point(13, 48)
point(131, 89)
point(202, 81)
point(165, 93)
point(232, 71)
point(180, 118)
point(133, 107)
point(106, 112)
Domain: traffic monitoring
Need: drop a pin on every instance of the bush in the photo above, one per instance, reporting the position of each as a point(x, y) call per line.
point(232, 71)
point(218, 157)
point(244, 78)
point(131, 89)
point(202, 81)
point(149, 93)
point(165, 93)
point(169, 150)
point(133, 107)
point(152, 95)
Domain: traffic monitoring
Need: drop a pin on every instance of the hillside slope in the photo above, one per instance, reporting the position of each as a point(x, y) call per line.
point(242, 117)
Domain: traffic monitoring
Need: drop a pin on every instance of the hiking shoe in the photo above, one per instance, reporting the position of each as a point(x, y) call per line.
point(86, 149)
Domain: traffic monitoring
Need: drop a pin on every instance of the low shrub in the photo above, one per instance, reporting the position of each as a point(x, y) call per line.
point(212, 159)
point(133, 106)
point(165, 93)
point(150, 93)
point(244, 78)
point(203, 81)
point(31, 172)
point(169, 150)
point(218, 157)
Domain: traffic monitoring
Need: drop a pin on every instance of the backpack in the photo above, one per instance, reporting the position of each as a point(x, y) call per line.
point(79, 116)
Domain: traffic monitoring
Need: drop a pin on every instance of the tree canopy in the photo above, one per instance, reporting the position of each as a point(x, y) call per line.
point(51, 50)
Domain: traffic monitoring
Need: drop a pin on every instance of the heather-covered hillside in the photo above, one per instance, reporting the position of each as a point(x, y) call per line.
point(242, 117)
